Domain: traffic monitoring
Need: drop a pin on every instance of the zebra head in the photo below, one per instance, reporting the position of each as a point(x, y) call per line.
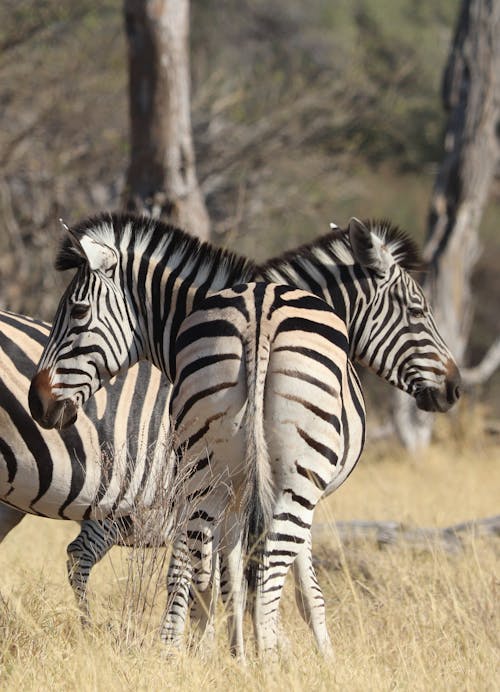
point(397, 336)
point(92, 338)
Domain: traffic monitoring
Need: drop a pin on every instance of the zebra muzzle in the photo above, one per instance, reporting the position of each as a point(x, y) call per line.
point(48, 411)
point(443, 398)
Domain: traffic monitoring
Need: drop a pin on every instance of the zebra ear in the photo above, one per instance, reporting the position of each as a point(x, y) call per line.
point(100, 257)
point(368, 248)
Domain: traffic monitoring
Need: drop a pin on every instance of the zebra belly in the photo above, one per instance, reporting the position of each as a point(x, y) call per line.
point(353, 427)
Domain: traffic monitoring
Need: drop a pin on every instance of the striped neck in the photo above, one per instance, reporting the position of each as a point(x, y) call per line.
point(327, 268)
point(163, 272)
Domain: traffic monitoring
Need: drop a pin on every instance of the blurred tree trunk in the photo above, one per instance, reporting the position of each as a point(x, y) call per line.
point(161, 178)
point(471, 96)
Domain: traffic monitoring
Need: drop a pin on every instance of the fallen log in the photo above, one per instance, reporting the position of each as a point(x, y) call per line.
point(386, 533)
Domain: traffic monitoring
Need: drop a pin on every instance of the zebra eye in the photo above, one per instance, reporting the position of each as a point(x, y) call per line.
point(416, 312)
point(79, 311)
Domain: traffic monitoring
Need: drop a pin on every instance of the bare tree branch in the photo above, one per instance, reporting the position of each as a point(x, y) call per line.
point(485, 369)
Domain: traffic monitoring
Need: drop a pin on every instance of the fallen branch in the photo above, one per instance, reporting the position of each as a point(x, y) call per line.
point(394, 532)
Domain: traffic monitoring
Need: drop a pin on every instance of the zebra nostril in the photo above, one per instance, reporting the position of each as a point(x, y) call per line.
point(453, 392)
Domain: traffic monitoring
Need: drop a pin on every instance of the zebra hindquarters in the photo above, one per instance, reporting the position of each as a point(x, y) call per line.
point(304, 432)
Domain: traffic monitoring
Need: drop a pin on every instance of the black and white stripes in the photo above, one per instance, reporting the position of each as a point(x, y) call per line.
point(143, 290)
point(86, 470)
point(262, 392)
point(363, 272)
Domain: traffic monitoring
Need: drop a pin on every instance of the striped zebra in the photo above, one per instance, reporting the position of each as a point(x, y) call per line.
point(193, 269)
point(33, 459)
point(64, 474)
point(312, 447)
point(260, 415)
point(123, 304)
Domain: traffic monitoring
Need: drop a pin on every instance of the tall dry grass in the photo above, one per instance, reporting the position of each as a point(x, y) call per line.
point(400, 619)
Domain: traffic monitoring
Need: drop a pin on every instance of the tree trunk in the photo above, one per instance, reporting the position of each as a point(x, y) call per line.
point(471, 95)
point(161, 178)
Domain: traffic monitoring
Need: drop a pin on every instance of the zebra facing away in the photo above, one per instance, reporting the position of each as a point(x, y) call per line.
point(64, 474)
point(60, 474)
point(128, 300)
point(390, 329)
point(266, 366)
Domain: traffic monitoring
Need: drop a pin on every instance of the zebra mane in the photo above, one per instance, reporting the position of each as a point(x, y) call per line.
point(155, 239)
point(398, 243)
point(336, 245)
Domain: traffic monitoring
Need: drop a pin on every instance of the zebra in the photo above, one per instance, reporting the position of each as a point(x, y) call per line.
point(199, 267)
point(362, 271)
point(46, 472)
point(125, 275)
point(237, 364)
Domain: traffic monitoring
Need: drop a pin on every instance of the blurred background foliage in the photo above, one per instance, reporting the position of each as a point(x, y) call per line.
point(302, 113)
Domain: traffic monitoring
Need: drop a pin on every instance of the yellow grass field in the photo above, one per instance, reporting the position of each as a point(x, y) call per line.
point(400, 618)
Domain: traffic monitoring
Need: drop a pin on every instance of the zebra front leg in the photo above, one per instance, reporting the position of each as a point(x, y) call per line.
point(95, 539)
point(9, 518)
point(309, 597)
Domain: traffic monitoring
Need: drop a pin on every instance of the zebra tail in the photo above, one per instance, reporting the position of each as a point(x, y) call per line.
point(258, 496)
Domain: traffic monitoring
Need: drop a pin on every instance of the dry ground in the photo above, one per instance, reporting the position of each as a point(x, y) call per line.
point(399, 619)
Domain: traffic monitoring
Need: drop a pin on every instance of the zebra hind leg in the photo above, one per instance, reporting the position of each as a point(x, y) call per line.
point(234, 593)
point(202, 609)
point(285, 538)
point(203, 535)
point(309, 598)
point(191, 568)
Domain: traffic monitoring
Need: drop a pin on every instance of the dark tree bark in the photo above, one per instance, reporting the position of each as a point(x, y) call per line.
point(471, 96)
point(161, 178)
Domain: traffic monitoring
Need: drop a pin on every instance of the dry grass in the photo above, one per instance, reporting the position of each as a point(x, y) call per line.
point(399, 619)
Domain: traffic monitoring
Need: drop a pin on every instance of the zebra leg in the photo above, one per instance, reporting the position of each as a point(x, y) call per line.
point(234, 594)
point(91, 545)
point(203, 536)
point(203, 604)
point(309, 597)
point(285, 538)
point(9, 518)
point(192, 564)
point(178, 591)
